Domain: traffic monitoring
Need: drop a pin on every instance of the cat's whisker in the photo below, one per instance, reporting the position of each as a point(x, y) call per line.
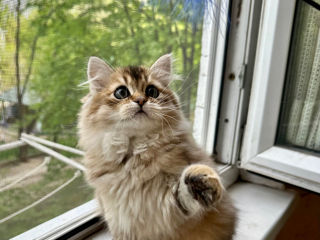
point(179, 94)
point(169, 107)
point(162, 126)
point(178, 107)
point(167, 122)
point(165, 115)
point(161, 108)
point(163, 118)
point(165, 100)
point(168, 86)
point(169, 125)
point(177, 90)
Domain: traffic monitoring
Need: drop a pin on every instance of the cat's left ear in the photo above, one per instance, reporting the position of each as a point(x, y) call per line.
point(162, 69)
point(98, 74)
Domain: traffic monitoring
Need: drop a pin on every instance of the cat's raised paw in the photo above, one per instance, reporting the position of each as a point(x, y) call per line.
point(203, 184)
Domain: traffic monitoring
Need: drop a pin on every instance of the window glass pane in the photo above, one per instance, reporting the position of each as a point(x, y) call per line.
point(44, 49)
point(300, 117)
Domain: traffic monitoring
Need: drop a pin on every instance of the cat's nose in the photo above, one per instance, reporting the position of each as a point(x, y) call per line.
point(140, 101)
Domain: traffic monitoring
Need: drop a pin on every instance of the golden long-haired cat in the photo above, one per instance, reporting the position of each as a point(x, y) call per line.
point(152, 181)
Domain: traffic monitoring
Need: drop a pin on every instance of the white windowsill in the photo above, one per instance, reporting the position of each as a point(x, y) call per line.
point(291, 166)
point(262, 212)
point(62, 224)
point(293, 162)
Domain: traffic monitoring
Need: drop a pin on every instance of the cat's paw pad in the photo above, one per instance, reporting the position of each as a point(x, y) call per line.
point(203, 185)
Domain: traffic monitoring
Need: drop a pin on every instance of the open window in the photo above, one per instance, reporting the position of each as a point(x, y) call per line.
point(282, 132)
point(55, 41)
point(253, 99)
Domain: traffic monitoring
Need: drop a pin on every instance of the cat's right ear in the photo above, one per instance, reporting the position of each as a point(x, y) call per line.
point(98, 74)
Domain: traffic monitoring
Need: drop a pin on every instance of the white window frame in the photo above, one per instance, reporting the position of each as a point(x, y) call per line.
point(213, 45)
point(206, 113)
point(237, 79)
point(64, 223)
point(214, 41)
point(259, 153)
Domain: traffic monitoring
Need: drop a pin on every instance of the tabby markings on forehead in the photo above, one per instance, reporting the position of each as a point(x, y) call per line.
point(136, 72)
point(125, 79)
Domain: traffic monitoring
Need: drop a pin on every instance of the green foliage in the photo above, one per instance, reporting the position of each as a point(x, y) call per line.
point(122, 32)
point(9, 155)
point(57, 38)
point(15, 199)
point(12, 155)
point(7, 47)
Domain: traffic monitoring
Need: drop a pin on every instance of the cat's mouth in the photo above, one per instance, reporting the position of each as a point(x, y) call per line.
point(141, 113)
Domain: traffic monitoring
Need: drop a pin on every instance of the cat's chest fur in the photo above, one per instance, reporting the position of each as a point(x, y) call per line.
point(139, 164)
point(130, 150)
point(140, 156)
point(135, 191)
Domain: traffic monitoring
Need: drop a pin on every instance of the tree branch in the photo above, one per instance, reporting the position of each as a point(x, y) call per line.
point(125, 7)
point(17, 52)
point(17, 65)
point(33, 51)
point(133, 34)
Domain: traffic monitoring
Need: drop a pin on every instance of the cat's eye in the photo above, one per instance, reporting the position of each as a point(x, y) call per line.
point(152, 91)
point(121, 92)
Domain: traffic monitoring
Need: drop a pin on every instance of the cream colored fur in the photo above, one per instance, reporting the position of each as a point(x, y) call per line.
point(138, 168)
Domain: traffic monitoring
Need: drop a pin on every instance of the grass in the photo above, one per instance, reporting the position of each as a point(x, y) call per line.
point(9, 155)
point(12, 200)
point(12, 155)
point(17, 198)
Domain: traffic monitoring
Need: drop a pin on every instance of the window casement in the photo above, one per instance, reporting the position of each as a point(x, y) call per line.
point(215, 35)
point(212, 66)
point(276, 67)
point(244, 58)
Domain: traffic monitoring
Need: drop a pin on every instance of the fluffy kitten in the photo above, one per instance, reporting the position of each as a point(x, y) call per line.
point(152, 181)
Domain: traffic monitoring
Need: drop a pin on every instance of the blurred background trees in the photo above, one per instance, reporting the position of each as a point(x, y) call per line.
point(46, 45)
point(44, 50)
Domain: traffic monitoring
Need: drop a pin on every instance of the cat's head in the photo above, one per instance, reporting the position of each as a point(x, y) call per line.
point(132, 97)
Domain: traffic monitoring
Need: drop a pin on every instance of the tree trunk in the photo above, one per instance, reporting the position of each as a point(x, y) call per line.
point(23, 149)
point(188, 49)
point(17, 68)
point(132, 30)
point(184, 92)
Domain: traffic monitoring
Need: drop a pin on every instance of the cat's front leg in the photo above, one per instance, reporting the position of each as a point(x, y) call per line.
point(199, 189)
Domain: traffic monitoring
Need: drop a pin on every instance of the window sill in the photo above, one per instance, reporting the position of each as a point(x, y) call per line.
point(262, 212)
point(291, 166)
point(78, 216)
point(62, 224)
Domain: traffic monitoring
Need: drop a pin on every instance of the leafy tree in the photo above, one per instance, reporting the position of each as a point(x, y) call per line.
point(58, 37)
